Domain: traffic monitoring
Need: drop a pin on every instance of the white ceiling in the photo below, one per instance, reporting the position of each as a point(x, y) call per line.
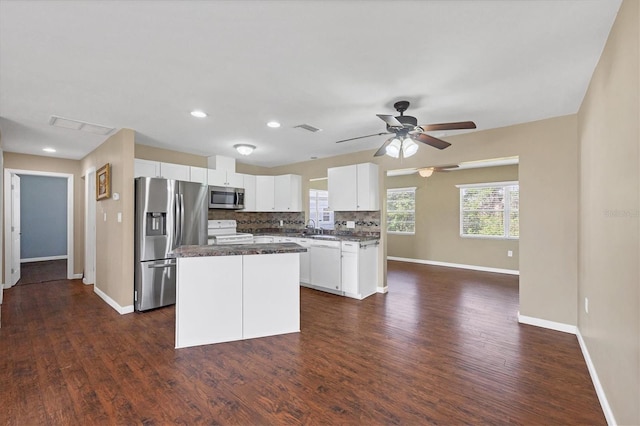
point(145, 65)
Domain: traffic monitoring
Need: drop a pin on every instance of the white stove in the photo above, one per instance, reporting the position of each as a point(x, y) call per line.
point(224, 232)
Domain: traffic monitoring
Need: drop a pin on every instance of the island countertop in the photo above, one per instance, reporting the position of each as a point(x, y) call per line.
point(236, 250)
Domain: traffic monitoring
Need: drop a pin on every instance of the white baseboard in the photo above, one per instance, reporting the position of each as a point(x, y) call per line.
point(42, 259)
point(602, 397)
point(551, 325)
point(120, 309)
point(76, 276)
point(455, 265)
point(85, 282)
point(384, 289)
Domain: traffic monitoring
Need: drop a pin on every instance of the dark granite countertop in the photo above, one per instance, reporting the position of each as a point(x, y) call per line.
point(334, 237)
point(236, 249)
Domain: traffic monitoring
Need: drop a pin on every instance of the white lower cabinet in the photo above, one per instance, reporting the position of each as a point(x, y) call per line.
point(305, 265)
point(359, 268)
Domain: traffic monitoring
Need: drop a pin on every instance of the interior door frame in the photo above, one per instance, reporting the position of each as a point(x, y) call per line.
point(7, 223)
point(90, 206)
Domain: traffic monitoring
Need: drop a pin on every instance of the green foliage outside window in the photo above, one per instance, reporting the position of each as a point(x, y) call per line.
point(401, 210)
point(491, 211)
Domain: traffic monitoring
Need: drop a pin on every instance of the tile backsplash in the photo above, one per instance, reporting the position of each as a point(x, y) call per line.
point(254, 222)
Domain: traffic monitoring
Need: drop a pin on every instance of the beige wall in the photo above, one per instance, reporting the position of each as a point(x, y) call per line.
point(57, 165)
point(608, 126)
point(146, 152)
point(114, 251)
point(437, 236)
point(548, 175)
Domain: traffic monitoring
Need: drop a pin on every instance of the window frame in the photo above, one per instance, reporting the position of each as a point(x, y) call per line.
point(506, 212)
point(328, 225)
point(405, 189)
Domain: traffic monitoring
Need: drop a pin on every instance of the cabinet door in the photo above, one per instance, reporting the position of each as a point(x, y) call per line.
point(368, 194)
point(234, 180)
point(342, 186)
point(288, 193)
point(198, 174)
point(249, 185)
point(146, 168)
point(265, 193)
point(175, 171)
point(350, 273)
point(305, 265)
point(216, 177)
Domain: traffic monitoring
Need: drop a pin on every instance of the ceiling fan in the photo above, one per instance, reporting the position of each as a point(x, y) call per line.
point(406, 130)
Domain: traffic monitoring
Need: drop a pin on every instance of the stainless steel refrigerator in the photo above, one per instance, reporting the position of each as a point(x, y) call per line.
point(168, 214)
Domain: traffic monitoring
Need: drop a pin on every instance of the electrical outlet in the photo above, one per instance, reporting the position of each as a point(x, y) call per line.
point(510, 253)
point(351, 224)
point(586, 304)
point(105, 217)
point(281, 222)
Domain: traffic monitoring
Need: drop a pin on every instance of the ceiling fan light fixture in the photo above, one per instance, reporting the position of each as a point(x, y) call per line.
point(244, 148)
point(393, 149)
point(425, 172)
point(409, 148)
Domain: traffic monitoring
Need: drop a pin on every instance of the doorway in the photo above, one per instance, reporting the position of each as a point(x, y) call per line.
point(12, 222)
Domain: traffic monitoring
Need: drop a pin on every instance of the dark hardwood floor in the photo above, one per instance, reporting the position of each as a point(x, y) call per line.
point(442, 347)
point(41, 272)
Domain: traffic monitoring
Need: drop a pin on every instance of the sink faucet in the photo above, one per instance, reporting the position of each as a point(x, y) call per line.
point(311, 227)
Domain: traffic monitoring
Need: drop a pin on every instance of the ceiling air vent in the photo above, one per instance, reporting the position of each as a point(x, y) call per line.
point(307, 127)
point(68, 123)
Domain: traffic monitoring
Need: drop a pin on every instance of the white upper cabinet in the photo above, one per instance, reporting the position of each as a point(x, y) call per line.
point(278, 193)
point(224, 178)
point(354, 187)
point(288, 193)
point(147, 168)
point(249, 185)
point(198, 174)
point(175, 171)
point(265, 193)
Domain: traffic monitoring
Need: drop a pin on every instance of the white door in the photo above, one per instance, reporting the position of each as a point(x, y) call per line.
point(15, 228)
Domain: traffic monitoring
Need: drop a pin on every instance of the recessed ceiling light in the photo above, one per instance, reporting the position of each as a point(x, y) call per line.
point(199, 114)
point(48, 150)
point(273, 124)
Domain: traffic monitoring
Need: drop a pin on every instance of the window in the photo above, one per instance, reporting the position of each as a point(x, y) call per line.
point(490, 210)
point(318, 209)
point(401, 210)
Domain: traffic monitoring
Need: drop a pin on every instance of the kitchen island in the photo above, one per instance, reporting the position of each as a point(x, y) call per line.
point(235, 292)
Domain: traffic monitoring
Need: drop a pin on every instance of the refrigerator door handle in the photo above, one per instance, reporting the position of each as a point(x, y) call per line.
point(177, 224)
point(164, 265)
point(181, 216)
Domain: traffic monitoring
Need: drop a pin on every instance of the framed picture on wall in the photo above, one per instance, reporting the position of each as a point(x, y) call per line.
point(103, 182)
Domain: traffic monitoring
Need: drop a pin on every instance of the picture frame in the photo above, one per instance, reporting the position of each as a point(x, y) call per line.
point(103, 182)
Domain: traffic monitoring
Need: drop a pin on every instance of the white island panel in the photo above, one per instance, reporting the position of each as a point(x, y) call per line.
point(271, 294)
point(208, 300)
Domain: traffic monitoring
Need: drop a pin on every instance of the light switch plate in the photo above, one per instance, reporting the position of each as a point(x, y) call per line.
point(119, 216)
point(105, 217)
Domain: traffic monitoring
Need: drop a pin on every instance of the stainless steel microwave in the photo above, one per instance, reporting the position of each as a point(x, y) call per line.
point(224, 197)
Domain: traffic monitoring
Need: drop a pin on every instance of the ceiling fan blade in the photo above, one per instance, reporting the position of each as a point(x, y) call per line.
point(383, 148)
point(449, 126)
point(430, 140)
point(362, 137)
point(446, 168)
point(390, 120)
